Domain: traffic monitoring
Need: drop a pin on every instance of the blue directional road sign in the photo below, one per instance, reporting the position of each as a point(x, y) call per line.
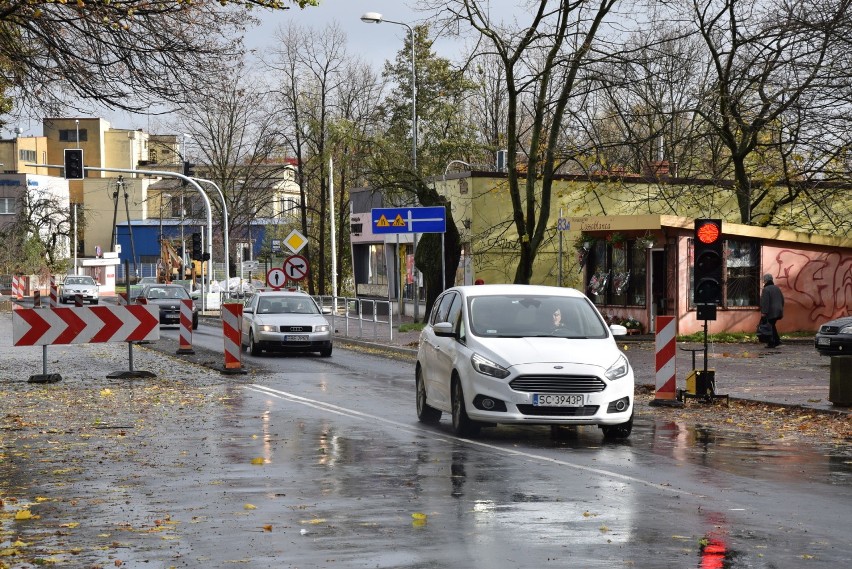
point(409, 219)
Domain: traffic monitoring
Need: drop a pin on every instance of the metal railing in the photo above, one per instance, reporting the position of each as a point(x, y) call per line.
point(363, 313)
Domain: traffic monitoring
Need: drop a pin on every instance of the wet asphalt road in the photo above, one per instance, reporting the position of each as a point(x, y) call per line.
point(320, 462)
point(343, 432)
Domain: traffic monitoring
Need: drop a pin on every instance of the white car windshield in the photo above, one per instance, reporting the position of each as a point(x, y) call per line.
point(286, 305)
point(79, 281)
point(523, 316)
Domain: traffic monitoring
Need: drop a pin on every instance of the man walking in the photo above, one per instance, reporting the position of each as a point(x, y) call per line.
point(772, 308)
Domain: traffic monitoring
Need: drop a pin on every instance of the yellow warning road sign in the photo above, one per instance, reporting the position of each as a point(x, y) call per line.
point(382, 222)
point(398, 222)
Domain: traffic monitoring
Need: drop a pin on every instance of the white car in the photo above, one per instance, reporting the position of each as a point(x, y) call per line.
point(493, 354)
point(285, 321)
point(82, 285)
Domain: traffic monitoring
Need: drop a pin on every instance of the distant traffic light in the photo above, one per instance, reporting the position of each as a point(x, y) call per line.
point(196, 246)
point(74, 164)
point(707, 273)
point(188, 170)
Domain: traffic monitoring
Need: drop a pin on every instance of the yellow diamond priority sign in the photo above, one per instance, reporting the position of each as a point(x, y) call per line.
point(295, 241)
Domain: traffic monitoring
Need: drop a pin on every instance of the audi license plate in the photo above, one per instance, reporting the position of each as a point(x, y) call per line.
point(558, 400)
point(297, 338)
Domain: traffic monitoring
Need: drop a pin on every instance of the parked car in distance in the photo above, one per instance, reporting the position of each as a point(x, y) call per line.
point(83, 285)
point(168, 297)
point(285, 321)
point(834, 338)
point(522, 354)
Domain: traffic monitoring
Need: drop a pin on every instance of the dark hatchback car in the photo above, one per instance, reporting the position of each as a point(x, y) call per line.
point(834, 338)
point(168, 297)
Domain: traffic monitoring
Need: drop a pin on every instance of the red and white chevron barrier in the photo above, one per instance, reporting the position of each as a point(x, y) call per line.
point(185, 344)
point(17, 291)
point(17, 286)
point(666, 352)
point(53, 300)
point(232, 318)
point(87, 325)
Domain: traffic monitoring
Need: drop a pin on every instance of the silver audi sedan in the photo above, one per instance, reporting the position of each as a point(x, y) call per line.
point(285, 321)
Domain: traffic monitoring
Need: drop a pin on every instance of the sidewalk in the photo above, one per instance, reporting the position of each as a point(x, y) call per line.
point(793, 374)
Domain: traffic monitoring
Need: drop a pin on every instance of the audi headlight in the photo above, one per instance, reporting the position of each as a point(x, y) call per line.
point(267, 328)
point(487, 367)
point(618, 369)
point(321, 328)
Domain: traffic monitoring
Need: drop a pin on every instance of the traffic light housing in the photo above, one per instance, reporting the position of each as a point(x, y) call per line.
point(74, 164)
point(188, 170)
point(196, 246)
point(708, 259)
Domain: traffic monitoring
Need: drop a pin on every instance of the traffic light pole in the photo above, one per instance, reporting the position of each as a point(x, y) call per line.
point(189, 181)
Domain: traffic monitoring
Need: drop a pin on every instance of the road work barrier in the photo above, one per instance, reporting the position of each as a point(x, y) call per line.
point(53, 300)
point(185, 343)
point(17, 291)
point(86, 325)
point(232, 318)
point(666, 378)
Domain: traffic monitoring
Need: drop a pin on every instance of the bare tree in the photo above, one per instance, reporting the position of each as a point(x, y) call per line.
point(231, 126)
point(763, 61)
point(312, 68)
point(542, 62)
point(123, 55)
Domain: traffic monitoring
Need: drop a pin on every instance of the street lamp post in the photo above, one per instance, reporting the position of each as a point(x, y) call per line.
point(376, 18)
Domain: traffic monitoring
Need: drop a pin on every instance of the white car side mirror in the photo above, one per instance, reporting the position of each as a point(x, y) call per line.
point(617, 330)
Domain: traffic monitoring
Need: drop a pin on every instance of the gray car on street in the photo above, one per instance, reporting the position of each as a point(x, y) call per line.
point(82, 285)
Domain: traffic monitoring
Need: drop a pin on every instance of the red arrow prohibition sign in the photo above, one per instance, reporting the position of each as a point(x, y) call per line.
point(296, 267)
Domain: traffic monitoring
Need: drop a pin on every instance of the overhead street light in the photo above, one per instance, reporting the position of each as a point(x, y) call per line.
point(376, 18)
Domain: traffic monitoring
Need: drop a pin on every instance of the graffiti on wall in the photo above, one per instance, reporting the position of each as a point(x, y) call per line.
point(819, 282)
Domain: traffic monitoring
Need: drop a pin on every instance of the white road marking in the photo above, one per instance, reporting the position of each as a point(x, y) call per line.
point(352, 413)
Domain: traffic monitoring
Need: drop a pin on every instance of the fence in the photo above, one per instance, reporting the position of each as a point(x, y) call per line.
point(360, 315)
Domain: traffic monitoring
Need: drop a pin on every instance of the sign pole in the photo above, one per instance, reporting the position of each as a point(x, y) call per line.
point(559, 276)
point(443, 266)
point(399, 280)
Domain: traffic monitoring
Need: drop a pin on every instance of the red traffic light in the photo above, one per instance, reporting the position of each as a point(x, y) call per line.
point(708, 231)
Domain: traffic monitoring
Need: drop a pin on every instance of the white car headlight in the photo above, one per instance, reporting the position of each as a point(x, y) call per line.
point(267, 328)
point(487, 367)
point(618, 369)
point(846, 330)
point(321, 328)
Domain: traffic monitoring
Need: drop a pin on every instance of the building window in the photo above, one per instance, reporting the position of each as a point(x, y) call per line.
point(7, 206)
point(378, 265)
point(70, 135)
point(740, 274)
point(27, 155)
point(617, 273)
point(289, 205)
point(742, 281)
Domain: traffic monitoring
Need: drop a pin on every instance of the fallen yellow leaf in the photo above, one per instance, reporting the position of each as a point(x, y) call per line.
point(418, 516)
point(258, 460)
point(106, 392)
point(23, 515)
point(249, 507)
point(71, 525)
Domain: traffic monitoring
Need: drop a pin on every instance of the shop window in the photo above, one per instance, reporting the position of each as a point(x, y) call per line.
point(742, 281)
point(740, 274)
point(617, 273)
point(378, 265)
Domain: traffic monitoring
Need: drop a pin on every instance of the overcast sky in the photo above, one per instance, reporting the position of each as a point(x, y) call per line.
point(375, 43)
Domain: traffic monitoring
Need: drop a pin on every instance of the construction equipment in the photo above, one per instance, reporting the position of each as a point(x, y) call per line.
point(170, 263)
